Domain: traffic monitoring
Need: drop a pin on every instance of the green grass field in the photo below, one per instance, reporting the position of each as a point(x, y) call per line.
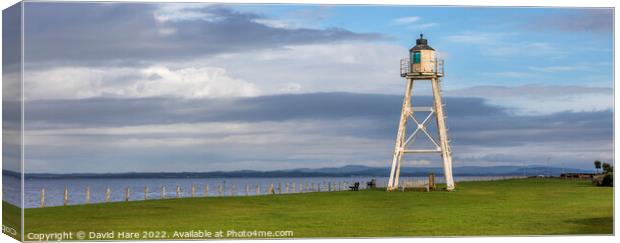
point(11, 217)
point(510, 207)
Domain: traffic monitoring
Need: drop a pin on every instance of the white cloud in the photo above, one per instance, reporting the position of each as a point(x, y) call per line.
point(548, 105)
point(413, 23)
point(554, 68)
point(406, 20)
point(579, 66)
point(531, 90)
point(504, 44)
point(423, 26)
point(290, 88)
point(176, 12)
point(534, 49)
point(89, 82)
point(353, 67)
point(276, 23)
point(542, 99)
point(476, 37)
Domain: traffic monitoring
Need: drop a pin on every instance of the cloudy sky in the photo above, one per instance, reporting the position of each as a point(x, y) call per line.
point(196, 87)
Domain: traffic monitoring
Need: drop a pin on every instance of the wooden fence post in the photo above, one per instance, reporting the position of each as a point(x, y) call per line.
point(206, 190)
point(178, 191)
point(193, 190)
point(257, 189)
point(279, 187)
point(127, 194)
point(220, 189)
point(66, 197)
point(271, 189)
point(87, 194)
point(42, 197)
point(247, 189)
point(146, 193)
point(107, 194)
point(431, 181)
point(233, 190)
point(163, 192)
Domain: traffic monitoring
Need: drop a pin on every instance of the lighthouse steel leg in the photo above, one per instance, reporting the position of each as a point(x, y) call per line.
point(400, 138)
point(443, 136)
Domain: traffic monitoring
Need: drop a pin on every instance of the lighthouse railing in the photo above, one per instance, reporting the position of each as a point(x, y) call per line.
point(405, 67)
point(439, 67)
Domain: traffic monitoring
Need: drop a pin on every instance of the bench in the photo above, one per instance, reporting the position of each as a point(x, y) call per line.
point(415, 185)
point(372, 184)
point(355, 186)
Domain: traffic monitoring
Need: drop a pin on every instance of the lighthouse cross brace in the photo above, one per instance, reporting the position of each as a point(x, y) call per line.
point(402, 144)
point(421, 126)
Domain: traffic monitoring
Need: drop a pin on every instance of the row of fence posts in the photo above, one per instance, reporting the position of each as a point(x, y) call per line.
point(273, 189)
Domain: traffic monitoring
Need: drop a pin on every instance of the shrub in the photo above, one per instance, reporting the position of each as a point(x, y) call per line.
point(608, 180)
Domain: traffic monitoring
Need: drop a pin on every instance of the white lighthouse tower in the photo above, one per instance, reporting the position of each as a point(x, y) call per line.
point(422, 65)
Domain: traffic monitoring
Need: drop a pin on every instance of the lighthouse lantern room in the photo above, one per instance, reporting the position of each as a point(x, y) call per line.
point(422, 60)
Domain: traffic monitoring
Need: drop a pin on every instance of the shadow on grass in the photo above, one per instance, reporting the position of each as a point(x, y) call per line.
point(590, 184)
point(600, 225)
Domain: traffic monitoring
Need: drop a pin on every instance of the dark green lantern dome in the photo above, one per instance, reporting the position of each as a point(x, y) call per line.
point(421, 44)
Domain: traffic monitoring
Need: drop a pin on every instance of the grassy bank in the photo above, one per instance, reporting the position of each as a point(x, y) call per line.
point(510, 207)
point(11, 217)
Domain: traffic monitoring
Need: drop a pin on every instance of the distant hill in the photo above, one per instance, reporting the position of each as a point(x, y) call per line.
point(345, 171)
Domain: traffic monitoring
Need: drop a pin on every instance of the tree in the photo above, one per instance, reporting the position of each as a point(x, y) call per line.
point(608, 180)
point(607, 168)
point(597, 165)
